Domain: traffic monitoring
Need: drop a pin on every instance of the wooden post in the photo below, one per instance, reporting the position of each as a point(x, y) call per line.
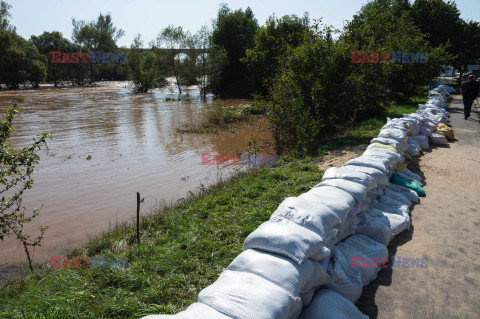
point(138, 218)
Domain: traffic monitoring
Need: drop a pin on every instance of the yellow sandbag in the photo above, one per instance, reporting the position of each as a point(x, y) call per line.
point(407, 156)
point(442, 125)
point(445, 131)
point(384, 146)
point(400, 166)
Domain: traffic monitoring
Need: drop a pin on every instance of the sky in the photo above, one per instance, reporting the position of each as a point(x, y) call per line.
point(149, 17)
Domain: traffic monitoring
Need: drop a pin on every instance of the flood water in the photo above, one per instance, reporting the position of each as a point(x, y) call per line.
point(134, 146)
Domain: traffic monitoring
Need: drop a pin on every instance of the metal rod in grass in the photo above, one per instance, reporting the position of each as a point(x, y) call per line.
point(138, 218)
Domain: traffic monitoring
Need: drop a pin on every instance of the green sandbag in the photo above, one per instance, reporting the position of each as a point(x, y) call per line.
point(414, 185)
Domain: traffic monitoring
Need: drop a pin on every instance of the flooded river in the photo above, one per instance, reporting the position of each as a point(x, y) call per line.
point(133, 146)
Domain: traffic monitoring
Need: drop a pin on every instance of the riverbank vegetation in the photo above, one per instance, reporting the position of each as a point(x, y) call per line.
point(183, 247)
point(16, 168)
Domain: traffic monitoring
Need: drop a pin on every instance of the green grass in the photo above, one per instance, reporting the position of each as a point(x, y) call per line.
point(184, 248)
point(219, 118)
point(363, 132)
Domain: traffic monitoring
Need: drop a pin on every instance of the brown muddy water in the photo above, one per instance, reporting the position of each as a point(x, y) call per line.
point(134, 147)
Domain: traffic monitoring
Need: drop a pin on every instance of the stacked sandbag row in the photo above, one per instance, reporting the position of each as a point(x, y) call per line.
point(383, 212)
point(317, 251)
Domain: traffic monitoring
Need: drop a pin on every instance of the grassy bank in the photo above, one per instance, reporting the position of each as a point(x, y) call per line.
point(183, 250)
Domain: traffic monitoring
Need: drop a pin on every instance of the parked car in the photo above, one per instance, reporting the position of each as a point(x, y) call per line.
point(464, 77)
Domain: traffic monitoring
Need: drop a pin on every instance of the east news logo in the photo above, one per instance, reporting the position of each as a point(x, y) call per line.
point(81, 57)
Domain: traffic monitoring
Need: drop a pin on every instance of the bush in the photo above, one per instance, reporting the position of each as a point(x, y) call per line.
point(219, 115)
point(233, 32)
point(142, 67)
point(316, 93)
point(271, 44)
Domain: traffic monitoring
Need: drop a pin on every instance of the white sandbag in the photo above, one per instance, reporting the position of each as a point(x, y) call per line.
point(348, 277)
point(370, 162)
point(334, 198)
point(386, 141)
point(351, 175)
point(282, 271)
point(398, 196)
point(311, 215)
point(194, 311)
point(288, 239)
point(346, 280)
point(374, 193)
point(449, 88)
point(364, 247)
point(438, 139)
point(390, 156)
point(407, 192)
point(358, 191)
point(327, 304)
point(411, 123)
point(348, 228)
point(380, 178)
point(395, 124)
point(392, 133)
point(243, 295)
point(349, 225)
point(307, 297)
point(388, 204)
point(427, 131)
point(419, 117)
point(413, 148)
point(422, 140)
point(381, 226)
point(408, 174)
point(427, 122)
point(358, 208)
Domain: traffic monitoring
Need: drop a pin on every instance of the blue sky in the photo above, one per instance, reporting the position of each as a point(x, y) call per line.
point(148, 17)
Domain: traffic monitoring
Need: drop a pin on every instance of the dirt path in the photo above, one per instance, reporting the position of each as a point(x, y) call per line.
point(446, 230)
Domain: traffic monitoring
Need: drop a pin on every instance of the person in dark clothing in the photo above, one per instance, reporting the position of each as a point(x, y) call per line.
point(469, 92)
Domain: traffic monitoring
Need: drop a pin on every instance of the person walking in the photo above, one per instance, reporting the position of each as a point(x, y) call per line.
point(469, 91)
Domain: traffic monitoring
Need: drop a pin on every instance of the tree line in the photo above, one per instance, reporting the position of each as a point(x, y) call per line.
point(302, 69)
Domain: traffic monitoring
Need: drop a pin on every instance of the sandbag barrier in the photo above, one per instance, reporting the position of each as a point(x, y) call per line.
point(301, 262)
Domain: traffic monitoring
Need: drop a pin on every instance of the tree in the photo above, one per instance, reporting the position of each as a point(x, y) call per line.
point(216, 61)
point(17, 166)
point(18, 57)
point(38, 73)
point(387, 26)
point(308, 96)
point(202, 44)
point(4, 17)
point(100, 35)
point(441, 23)
point(11, 60)
point(173, 39)
point(234, 31)
point(271, 44)
point(54, 41)
point(142, 67)
point(468, 48)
